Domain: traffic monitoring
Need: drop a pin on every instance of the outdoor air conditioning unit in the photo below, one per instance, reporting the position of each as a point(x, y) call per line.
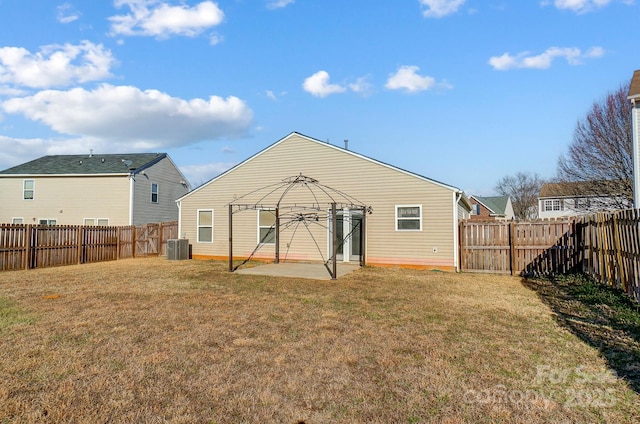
point(177, 249)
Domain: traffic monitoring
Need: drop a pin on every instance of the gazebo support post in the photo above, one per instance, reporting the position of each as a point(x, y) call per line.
point(230, 238)
point(363, 235)
point(334, 245)
point(277, 235)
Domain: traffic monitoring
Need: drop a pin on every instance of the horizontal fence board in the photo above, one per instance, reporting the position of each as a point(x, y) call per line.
point(42, 246)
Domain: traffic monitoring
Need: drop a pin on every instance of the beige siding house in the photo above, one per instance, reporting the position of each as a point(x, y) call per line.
point(114, 189)
point(414, 220)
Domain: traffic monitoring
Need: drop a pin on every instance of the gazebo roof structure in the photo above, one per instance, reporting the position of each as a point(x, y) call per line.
point(298, 200)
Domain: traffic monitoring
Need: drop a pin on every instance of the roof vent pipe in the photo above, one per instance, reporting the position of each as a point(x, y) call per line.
point(346, 145)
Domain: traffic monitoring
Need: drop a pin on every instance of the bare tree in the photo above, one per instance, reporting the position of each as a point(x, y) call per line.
point(523, 188)
point(599, 161)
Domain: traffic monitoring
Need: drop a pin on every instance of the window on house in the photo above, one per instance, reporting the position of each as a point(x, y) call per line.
point(205, 226)
point(28, 189)
point(553, 205)
point(17, 221)
point(409, 218)
point(154, 193)
point(582, 202)
point(103, 222)
point(46, 221)
point(267, 226)
point(475, 209)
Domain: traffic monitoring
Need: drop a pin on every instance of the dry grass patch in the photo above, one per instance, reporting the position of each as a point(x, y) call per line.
point(151, 340)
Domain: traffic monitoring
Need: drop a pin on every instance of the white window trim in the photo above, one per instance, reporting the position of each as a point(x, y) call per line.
point(55, 221)
point(408, 206)
point(17, 223)
point(259, 227)
point(157, 193)
point(550, 207)
point(33, 190)
point(95, 222)
point(198, 226)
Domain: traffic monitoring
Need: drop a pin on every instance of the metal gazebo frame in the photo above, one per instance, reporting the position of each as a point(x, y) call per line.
point(324, 200)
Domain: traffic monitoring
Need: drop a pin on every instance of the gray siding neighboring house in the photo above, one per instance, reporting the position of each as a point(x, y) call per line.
point(95, 189)
point(428, 238)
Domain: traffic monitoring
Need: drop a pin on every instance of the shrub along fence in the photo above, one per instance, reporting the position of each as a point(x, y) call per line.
point(41, 246)
point(603, 245)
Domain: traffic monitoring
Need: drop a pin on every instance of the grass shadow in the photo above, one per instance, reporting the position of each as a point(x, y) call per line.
point(604, 317)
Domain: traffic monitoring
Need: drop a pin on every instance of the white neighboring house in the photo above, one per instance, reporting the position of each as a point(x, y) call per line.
point(558, 200)
point(113, 189)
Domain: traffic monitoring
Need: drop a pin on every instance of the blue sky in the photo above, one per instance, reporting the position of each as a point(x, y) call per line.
point(461, 91)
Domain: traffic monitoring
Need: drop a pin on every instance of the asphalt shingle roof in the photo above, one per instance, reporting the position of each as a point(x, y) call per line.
point(497, 204)
point(86, 164)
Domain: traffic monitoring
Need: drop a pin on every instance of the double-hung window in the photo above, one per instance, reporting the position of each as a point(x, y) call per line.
point(28, 189)
point(266, 226)
point(154, 193)
point(553, 205)
point(205, 225)
point(409, 218)
point(101, 222)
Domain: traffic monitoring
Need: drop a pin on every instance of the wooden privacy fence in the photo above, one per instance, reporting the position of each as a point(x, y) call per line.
point(41, 246)
point(603, 245)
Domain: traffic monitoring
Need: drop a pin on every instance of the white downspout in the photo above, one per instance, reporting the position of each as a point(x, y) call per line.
point(456, 198)
point(635, 131)
point(131, 197)
point(179, 203)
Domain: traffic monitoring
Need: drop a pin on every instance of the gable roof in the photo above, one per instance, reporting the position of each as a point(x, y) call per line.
point(124, 163)
point(634, 87)
point(495, 204)
point(294, 133)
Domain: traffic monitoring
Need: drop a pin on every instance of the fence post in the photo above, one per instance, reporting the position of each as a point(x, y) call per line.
point(26, 261)
point(512, 249)
point(133, 241)
point(79, 244)
point(460, 245)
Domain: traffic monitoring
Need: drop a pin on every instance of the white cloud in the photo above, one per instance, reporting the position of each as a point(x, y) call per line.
point(66, 13)
point(200, 174)
point(55, 65)
point(133, 118)
point(440, 8)
point(361, 86)
point(319, 86)
point(525, 60)
point(161, 20)
point(215, 38)
point(406, 78)
point(582, 6)
point(278, 4)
